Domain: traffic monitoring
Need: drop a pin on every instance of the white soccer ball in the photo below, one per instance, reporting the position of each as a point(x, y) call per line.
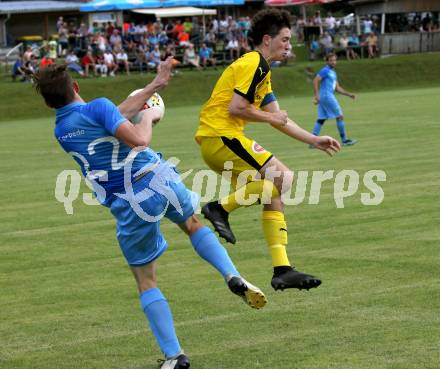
point(154, 102)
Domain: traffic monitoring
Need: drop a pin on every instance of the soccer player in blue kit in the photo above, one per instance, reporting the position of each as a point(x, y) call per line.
point(324, 85)
point(139, 187)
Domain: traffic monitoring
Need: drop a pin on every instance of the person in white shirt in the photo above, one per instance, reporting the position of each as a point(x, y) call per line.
point(109, 61)
point(234, 49)
point(122, 60)
point(330, 23)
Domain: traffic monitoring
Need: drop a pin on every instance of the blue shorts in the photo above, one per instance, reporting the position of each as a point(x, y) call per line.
point(156, 195)
point(328, 108)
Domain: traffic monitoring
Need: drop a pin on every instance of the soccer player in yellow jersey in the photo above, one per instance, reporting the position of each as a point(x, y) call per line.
point(244, 94)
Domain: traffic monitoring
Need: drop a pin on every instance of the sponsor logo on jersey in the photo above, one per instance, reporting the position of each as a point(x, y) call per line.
point(257, 148)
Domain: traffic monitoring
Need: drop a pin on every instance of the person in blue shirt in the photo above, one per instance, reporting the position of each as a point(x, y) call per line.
point(207, 56)
point(325, 84)
point(139, 187)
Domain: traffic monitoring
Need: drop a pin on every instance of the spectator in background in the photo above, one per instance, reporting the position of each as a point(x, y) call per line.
point(371, 42)
point(109, 61)
point(46, 60)
point(178, 28)
point(83, 33)
point(154, 59)
point(88, 62)
point(314, 48)
point(183, 39)
point(63, 40)
point(210, 39)
point(330, 24)
point(187, 26)
point(52, 48)
point(72, 62)
point(122, 61)
point(367, 26)
point(18, 70)
point(115, 40)
point(353, 45)
point(317, 21)
point(207, 56)
point(100, 67)
point(326, 43)
point(60, 23)
point(343, 43)
point(190, 57)
point(28, 54)
point(234, 49)
point(162, 38)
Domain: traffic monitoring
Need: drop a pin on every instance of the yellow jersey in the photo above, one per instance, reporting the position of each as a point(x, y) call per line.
point(248, 76)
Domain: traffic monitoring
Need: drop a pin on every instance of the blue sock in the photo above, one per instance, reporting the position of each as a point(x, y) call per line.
point(341, 129)
point(317, 128)
point(210, 249)
point(158, 312)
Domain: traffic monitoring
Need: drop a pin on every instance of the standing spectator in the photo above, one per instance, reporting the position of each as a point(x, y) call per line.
point(109, 61)
point(83, 33)
point(207, 56)
point(28, 54)
point(367, 26)
point(63, 40)
point(187, 26)
point(178, 28)
point(60, 23)
point(190, 57)
point(317, 21)
point(330, 24)
point(109, 29)
point(122, 61)
point(88, 61)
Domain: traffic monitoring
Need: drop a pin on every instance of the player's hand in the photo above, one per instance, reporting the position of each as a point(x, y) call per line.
point(327, 144)
point(279, 118)
point(352, 96)
point(316, 100)
point(163, 73)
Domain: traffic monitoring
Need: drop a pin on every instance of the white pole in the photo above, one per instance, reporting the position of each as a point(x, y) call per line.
point(382, 25)
point(358, 25)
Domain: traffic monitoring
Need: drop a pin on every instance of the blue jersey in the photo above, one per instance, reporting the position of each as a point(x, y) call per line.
point(86, 131)
point(328, 81)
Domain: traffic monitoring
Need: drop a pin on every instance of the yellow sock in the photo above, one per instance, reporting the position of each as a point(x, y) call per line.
point(275, 232)
point(249, 194)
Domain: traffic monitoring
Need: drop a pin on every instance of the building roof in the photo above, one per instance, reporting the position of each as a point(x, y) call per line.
point(364, 7)
point(17, 7)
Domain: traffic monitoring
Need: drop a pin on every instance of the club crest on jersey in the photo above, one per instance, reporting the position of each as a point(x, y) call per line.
point(257, 148)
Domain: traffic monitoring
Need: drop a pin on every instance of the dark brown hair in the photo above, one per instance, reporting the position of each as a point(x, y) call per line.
point(55, 85)
point(328, 56)
point(268, 21)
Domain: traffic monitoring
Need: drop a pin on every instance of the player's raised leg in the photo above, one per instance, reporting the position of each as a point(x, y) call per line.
point(208, 247)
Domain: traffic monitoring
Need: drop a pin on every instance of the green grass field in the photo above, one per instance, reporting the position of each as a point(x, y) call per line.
point(68, 301)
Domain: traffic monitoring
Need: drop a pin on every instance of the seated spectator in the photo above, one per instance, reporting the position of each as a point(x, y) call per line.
point(353, 45)
point(314, 48)
point(122, 61)
point(371, 42)
point(210, 39)
point(18, 70)
point(88, 61)
point(343, 43)
point(326, 43)
point(72, 62)
point(190, 57)
point(162, 38)
point(234, 48)
point(154, 57)
point(115, 40)
point(183, 38)
point(100, 67)
point(109, 61)
point(169, 51)
point(46, 60)
point(207, 56)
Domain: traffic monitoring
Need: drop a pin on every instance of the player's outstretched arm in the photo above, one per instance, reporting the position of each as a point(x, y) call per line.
point(131, 106)
point(344, 92)
point(242, 108)
point(291, 129)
